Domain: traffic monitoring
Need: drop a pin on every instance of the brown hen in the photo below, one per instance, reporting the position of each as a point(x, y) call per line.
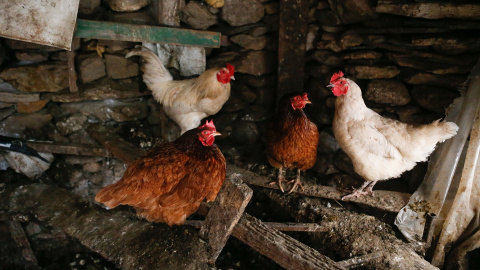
point(292, 139)
point(170, 181)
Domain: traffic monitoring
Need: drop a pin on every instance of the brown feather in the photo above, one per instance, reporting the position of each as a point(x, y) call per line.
point(170, 181)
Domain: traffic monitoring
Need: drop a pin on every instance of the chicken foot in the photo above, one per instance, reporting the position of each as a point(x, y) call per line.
point(296, 183)
point(365, 189)
point(280, 179)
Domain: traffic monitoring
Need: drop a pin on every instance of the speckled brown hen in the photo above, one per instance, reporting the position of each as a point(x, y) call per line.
point(292, 139)
point(170, 181)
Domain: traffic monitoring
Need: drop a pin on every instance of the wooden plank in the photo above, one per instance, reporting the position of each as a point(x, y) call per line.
point(72, 75)
point(69, 149)
point(283, 249)
point(441, 10)
point(224, 214)
point(384, 200)
point(18, 235)
point(280, 226)
point(292, 46)
point(146, 33)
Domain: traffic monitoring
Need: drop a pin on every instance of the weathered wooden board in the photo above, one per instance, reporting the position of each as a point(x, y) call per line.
point(146, 33)
point(224, 214)
point(69, 149)
point(430, 10)
point(291, 46)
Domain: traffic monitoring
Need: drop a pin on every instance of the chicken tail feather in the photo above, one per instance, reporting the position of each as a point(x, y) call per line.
point(445, 130)
point(153, 69)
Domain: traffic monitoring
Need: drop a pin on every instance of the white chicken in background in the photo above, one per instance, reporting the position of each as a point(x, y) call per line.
point(380, 148)
point(188, 101)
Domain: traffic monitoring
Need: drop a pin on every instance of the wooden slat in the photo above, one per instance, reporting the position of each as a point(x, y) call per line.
point(72, 75)
point(224, 214)
point(69, 149)
point(283, 249)
point(146, 33)
point(292, 46)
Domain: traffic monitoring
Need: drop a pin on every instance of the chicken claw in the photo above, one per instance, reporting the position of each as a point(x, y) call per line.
point(296, 183)
point(280, 179)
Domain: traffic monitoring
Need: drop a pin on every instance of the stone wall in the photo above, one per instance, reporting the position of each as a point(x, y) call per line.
point(410, 65)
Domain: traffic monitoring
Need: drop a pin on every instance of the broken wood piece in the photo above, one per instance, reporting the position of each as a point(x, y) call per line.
point(146, 33)
point(384, 200)
point(281, 226)
point(18, 235)
point(72, 75)
point(283, 249)
point(68, 149)
point(227, 209)
point(427, 10)
point(117, 146)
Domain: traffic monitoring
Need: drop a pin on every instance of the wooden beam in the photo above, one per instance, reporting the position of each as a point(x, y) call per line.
point(69, 149)
point(224, 214)
point(292, 46)
point(146, 33)
point(72, 75)
point(283, 249)
point(384, 200)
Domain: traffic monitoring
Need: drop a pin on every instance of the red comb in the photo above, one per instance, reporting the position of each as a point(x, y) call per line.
point(336, 76)
point(208, 125)
point(305, 95)
point(230, 68)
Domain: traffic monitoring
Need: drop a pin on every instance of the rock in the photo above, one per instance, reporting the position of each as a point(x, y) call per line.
point(189, 60)
point(242, 12)
point(452, 46)
point(90, 67)
point(107, 110)
point(362, 55)
point(6, 112)
point(49, 77)
point(354, 11)
point(11, 95)
point(119, 67)
point(92, 167)
point(255, 113)
point(271, 8)
point(71, 124)
point(327, 142)
point(266, 97)
point(82, 137)
point(247, 94)
point(233, 104)
point(32, 167)
point(405, 112)
point(59, 56)
point(88, 7)
point(327, 58)
point(256, 63)
point(391, 92)
point(31, 57)
point(450, 81)
point(215, 3)
point(424, 64)
point(4, 105)
point(16, 124)
point(127, 5)
point(258, 31)
point(198, 16)
point(312, 36)
point(369, 72)
point(317, 90)
point(30, 107)
point(245, 132)
point(328, 18)
point(434, 98)
point(249, 42)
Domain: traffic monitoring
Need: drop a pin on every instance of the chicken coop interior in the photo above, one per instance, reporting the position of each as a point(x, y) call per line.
point(239, 134)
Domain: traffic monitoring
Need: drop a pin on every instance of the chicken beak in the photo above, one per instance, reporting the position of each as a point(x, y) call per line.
point(308, 102)
point(232, 78)
point(216, 133)
point(331, 85)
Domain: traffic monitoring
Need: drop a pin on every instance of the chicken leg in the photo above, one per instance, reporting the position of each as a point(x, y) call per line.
point(296, 183)
point(280, 179)
point(365, 189)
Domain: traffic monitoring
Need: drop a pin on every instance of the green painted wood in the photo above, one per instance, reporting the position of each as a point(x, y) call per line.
point(146, 33)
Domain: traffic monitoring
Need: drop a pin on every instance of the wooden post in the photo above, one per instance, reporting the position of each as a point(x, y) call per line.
point(292, 46)
point(224, 214)
point(72, 75)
